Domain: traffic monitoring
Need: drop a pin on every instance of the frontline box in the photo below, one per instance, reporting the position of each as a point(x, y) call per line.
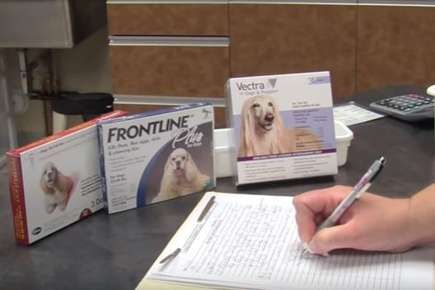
point(283, 126)
point(156, 156)
point(55, 181)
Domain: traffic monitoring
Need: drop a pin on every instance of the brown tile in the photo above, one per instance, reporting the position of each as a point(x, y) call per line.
point(396, 46)
point(168, 19)
point(169, 71)
point(295, 38)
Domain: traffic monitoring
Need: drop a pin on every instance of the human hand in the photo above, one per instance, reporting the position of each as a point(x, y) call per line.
point(373, 223)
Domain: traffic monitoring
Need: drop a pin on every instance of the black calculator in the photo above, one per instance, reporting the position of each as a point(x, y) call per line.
point(408, 107)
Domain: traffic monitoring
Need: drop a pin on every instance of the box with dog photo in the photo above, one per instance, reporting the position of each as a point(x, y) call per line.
point(55, 181)
point(156, 156)
point(283, 126)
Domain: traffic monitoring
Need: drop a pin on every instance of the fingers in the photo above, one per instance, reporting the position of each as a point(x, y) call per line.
point(337, 237)
point(323, 200)
point(313, 207)
point(305, 220)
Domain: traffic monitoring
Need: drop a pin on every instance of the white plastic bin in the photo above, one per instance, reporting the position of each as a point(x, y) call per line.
point(343, 137)
point(223, 153)
point(224, 149)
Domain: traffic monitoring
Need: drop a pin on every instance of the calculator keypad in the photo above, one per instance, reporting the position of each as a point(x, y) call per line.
point(407, 103)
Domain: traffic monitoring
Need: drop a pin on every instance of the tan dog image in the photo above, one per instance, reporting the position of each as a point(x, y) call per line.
point(56, 186)
point(181, 176)
point(262, 130)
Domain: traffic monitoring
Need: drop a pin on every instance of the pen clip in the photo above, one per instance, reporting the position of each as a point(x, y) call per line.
point(206, 208)
point(170, 256)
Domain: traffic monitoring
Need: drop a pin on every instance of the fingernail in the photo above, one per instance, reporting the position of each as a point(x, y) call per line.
point(311, 246)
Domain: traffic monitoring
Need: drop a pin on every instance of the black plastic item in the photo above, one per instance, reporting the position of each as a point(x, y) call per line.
point(87, 104)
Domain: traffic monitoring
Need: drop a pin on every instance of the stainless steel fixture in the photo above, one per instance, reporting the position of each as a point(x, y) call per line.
point(48, 23)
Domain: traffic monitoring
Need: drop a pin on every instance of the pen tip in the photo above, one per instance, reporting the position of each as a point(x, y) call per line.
point(307, 248)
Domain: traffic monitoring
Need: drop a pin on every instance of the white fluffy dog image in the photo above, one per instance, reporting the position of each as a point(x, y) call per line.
point(181, 176)
point(262, 130)
point(56, 186)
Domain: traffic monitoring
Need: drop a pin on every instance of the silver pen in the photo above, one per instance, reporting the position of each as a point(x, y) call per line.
point(362, 186)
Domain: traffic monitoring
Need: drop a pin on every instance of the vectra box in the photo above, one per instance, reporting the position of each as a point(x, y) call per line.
point(55, 181)
point(283, 126)
point(156, 156)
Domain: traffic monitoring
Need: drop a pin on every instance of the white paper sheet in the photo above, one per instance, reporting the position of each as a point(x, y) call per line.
point(251, 242)
point(352, 114)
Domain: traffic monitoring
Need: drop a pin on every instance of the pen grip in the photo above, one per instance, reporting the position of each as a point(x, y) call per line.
point(338, 212)
point(332, 219)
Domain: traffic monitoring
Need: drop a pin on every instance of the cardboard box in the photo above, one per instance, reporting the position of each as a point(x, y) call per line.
point(283, 126)
point(55, 181)
point(156, 156)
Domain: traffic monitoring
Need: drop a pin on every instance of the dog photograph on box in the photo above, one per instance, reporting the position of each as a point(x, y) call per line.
point(157, 156)
point(56, 186)
point(263, 132)
point(180, 176)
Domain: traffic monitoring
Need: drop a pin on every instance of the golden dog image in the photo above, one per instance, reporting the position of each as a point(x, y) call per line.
point(262, 130)
point(181, 176)
point(56, 186)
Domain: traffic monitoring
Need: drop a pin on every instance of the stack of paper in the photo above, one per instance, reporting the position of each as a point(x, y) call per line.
point(352, 114)
point(251, 242)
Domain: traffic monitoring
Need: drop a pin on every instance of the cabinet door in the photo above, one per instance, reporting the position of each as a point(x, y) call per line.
point(395, 45)
point(290, 38)
point(164, 66)
point(207, 18)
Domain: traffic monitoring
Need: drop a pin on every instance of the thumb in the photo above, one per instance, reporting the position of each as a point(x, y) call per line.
point(328, 239)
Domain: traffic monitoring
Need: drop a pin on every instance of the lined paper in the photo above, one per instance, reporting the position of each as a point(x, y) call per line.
point(251, 241)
